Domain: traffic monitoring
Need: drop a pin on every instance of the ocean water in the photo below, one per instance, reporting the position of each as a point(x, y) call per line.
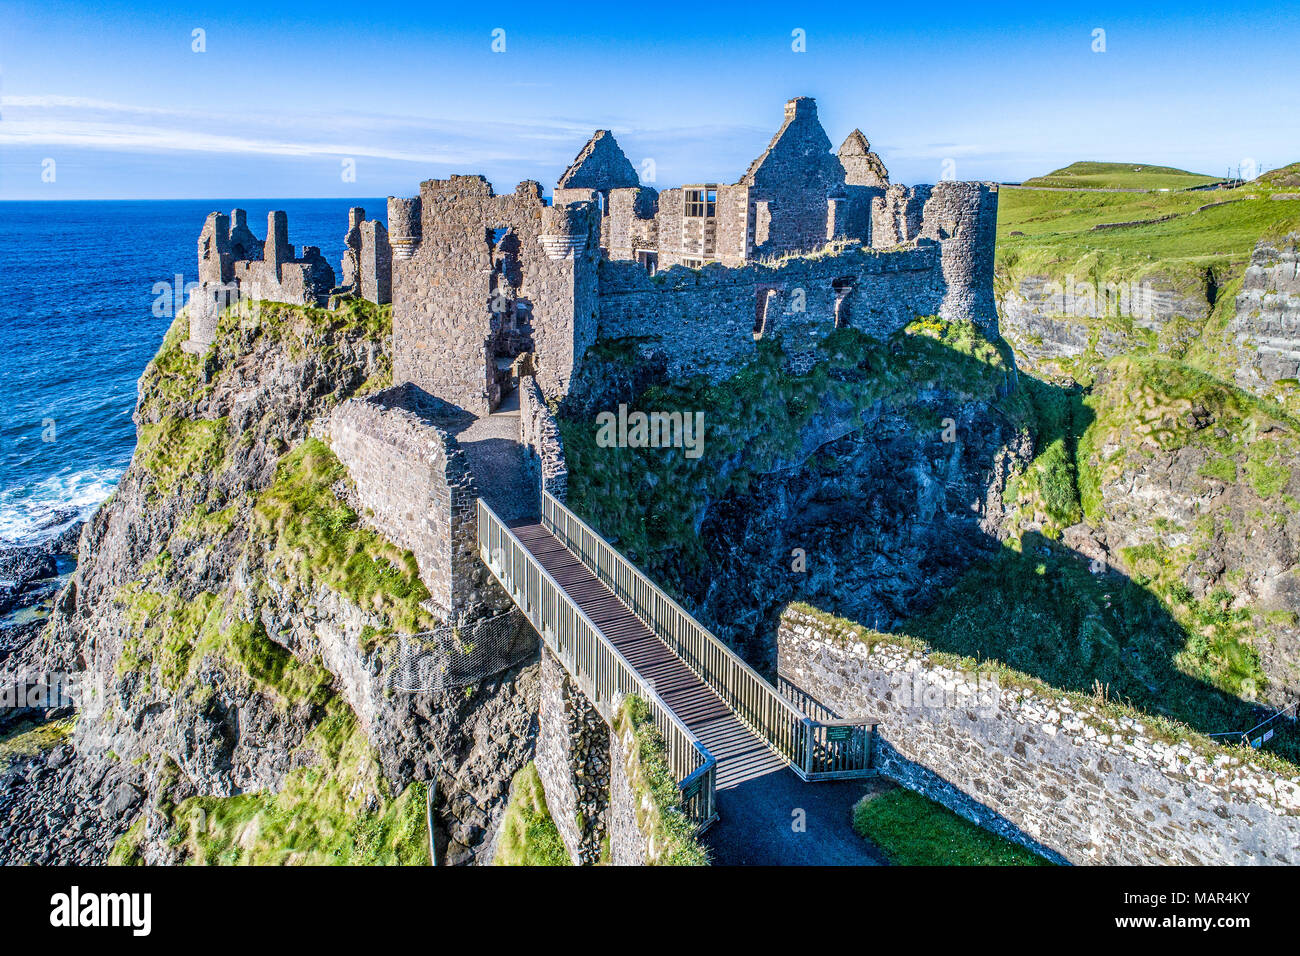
point(81, 284)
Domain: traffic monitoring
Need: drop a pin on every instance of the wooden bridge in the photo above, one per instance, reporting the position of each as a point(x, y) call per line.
point(617, 633)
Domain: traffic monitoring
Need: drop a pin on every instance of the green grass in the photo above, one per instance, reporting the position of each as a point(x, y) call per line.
point(310, 536)
point(338, 810)
point(1089, 175)
point(913, 830)
point(657, 799)
point(529, 836)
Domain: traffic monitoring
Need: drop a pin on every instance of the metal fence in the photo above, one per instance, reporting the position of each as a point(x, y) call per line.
point(602, 673)
point(457, 655)
point(815, 749)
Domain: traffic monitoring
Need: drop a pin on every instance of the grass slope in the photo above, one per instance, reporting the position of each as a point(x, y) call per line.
point(1090, 175)
point(529, 836)
point(337, 810)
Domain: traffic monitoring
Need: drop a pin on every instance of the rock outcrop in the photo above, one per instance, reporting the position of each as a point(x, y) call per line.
point(231, 619)
point(1267, 324)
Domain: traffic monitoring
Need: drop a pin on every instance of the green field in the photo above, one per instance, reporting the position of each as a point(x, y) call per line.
point(1054, 234)
point(1120, 176)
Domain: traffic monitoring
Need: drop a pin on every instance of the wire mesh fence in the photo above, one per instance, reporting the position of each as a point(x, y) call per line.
point(458, 655)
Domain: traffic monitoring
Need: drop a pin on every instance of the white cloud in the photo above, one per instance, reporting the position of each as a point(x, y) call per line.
point(55, 121)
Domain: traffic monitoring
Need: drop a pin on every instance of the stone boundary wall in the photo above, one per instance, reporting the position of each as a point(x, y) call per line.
point(703, 322)
point(540, 435)
point(572, 756)
point(1090, 781)
point(413, 483)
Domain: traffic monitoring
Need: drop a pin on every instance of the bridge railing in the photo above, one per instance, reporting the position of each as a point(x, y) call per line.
point(602, 673)
point(815, 749)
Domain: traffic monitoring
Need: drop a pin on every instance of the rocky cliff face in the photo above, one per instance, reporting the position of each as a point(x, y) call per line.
point(231, 621)
point(1062, 327)
point(1267, 324)
point(866, 483)
point(1191, 485)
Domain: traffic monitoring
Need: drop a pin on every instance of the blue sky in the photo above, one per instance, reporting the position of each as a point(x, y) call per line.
point(285, 93)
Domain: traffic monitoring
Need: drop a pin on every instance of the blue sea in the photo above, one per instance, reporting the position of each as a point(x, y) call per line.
point(81, 283)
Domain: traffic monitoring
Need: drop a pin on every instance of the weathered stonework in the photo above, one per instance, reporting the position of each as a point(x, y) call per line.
point(235, 265)
point(540, 435)
point(711, 322)
point(491, 276)
point(481, 282)
point(414, 486)
point(1094, 786)
point(573, 761)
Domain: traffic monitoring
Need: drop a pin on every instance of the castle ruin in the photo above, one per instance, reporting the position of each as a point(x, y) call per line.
point(806, 241)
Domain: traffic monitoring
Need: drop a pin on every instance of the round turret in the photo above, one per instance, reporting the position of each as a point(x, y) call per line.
point(404, 226)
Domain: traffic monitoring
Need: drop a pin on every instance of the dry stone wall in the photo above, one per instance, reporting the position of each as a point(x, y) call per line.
point(572, 761)
point(1091, 783)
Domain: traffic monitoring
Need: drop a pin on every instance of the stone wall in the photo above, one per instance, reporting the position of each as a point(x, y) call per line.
point(414, 485)
point(1092, 782)
point(540, 435)
point(795, 176)
point(573, 761)
point(705, 321)
point(896, 215)
point(479, 262)
point(234, 264)
point(963, 218)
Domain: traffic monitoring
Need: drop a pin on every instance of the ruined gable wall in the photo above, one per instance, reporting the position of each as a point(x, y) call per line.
point(703, 322)
point(443, 327)
point(795, 177)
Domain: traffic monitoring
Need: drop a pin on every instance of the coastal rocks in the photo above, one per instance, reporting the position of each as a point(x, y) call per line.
point(28, 574)
point(52, 813)
point(214, 665)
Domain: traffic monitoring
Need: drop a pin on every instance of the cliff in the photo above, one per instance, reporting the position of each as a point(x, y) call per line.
point(232, 622)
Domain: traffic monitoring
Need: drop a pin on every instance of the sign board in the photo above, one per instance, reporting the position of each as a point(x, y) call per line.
point(1268, 735)
point(839, 733)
